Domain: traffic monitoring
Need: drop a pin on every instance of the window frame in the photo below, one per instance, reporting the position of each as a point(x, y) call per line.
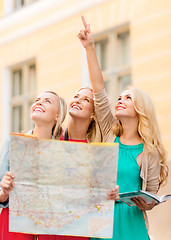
point(114, 70)
point(26, 96)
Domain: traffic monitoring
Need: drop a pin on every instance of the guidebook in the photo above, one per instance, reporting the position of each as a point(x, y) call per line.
point(146, 196)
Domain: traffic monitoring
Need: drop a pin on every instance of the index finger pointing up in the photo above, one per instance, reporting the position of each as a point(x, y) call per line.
point(84, 21)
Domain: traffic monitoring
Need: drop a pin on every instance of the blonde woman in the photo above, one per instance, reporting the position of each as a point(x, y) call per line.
point(48, 113)
point(142, 158)
point(82, 125)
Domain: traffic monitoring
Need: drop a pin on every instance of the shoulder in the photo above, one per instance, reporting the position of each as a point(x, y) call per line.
point(150, 164)
point(5, 145)
point(154, 157)
point(100, 94)
point(4, 157)
point(62, 138)
point(151, 157)
point(30, 132)
point(101, 97)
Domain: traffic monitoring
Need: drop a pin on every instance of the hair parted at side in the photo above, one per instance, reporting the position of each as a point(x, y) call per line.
point(58, 129)
point(148, 128)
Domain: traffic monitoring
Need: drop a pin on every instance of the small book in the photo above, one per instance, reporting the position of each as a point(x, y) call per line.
point(146, 196)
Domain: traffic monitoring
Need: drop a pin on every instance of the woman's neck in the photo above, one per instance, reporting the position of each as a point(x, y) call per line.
point(42, 132)
point(130, 134)
point(77, 129)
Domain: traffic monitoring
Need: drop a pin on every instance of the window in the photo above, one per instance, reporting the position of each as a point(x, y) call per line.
point(123, 82)
point(123, 48)
point(32, 78)
point(20, 3)
point(101, 47)
point(101, 50)
point(23, 92)
point(124, 76)
point(17, 83)
point(17, 118)
point(113, 53)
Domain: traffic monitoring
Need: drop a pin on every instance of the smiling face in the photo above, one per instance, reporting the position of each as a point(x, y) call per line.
point(125, 106)
point(45, 108)
point(82, 104)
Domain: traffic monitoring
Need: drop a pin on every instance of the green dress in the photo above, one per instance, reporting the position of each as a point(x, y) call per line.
point(129, 222)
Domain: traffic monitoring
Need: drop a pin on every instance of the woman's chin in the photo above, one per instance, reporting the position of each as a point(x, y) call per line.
point(36, 118)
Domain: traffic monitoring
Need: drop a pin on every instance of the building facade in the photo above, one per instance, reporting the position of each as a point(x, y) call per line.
point(39, 50)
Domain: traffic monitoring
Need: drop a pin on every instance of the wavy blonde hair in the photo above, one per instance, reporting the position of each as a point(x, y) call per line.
point(57, 130)
point(93, 132)
point(148, 128)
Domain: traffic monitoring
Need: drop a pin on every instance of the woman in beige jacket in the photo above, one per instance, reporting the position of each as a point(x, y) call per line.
point(141, 163)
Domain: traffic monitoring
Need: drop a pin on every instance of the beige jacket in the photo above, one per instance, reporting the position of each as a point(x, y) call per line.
point(150, 170)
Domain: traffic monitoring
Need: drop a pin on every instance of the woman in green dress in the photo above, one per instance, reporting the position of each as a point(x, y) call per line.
point(141, 162)
point(129, 221)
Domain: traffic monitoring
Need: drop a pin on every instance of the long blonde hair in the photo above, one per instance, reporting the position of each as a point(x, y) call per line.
point(148, 128)
point(57, 130)
point(93, 132)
